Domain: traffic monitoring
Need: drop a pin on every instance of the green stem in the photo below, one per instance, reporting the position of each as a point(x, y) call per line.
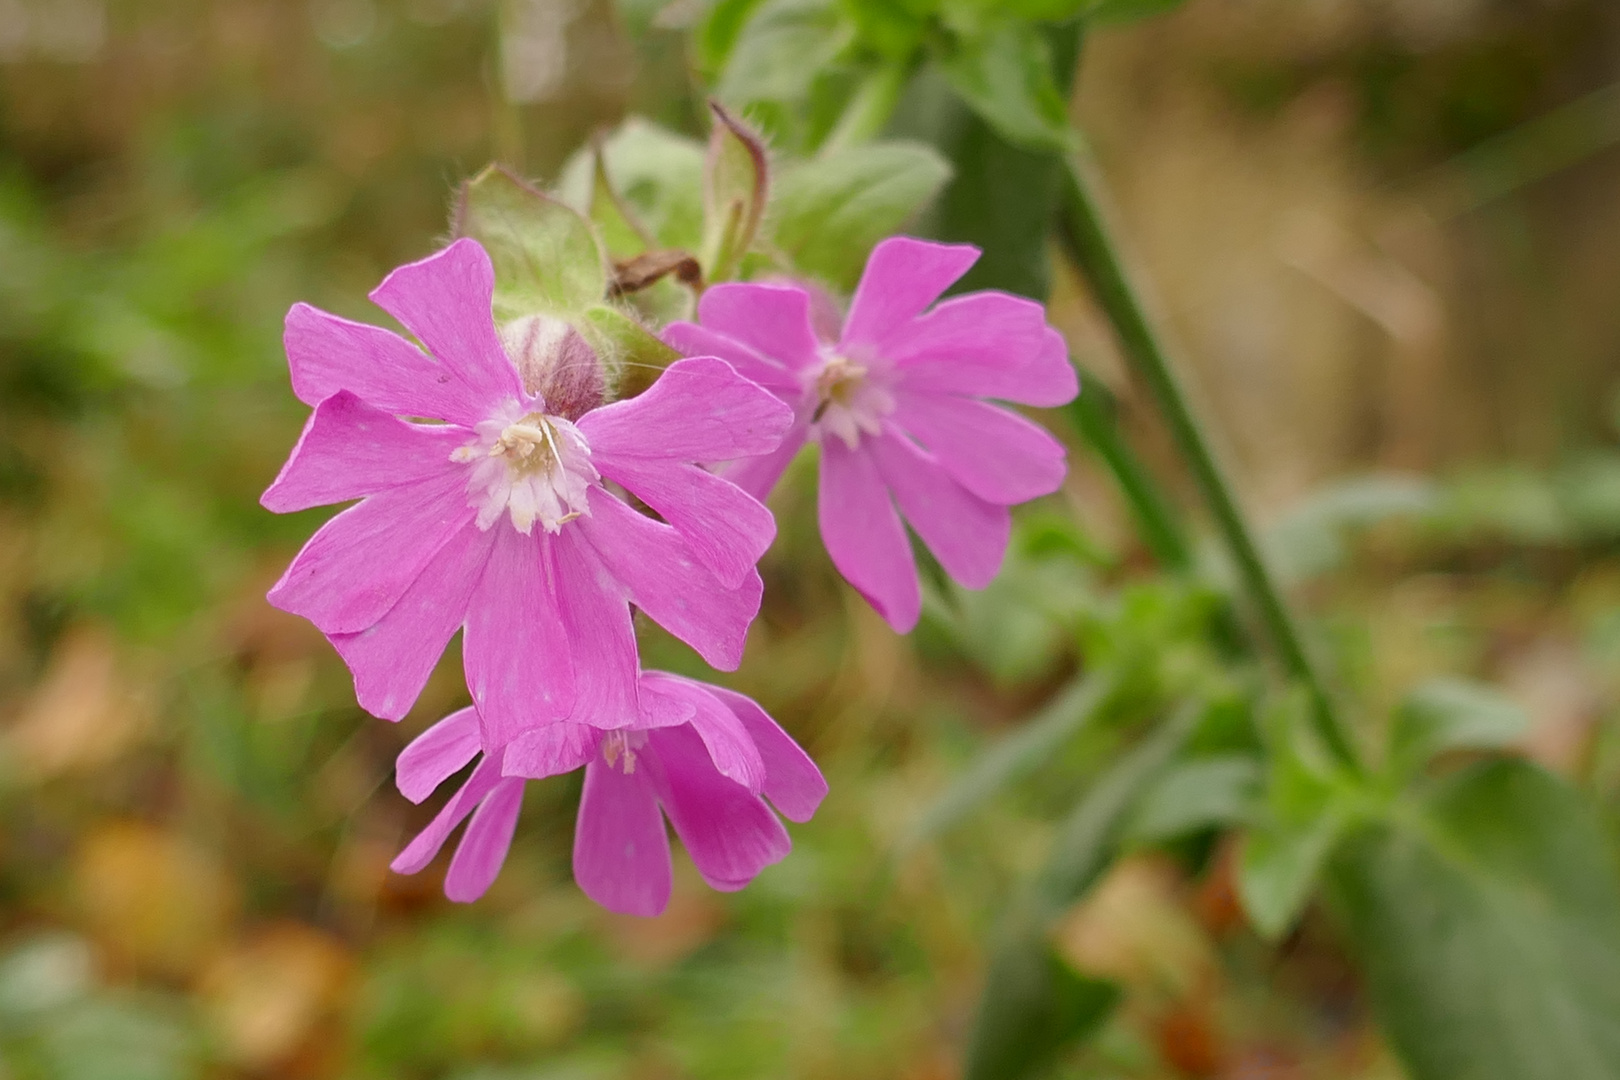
point(868, 112)
point(1095, 413)
point(1086, 234)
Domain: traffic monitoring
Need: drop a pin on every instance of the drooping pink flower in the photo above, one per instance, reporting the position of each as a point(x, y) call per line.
point(494, 520)
point(897, 404)
point(704, 756)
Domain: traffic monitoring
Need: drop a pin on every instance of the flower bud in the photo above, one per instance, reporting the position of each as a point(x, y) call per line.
point(557, 363)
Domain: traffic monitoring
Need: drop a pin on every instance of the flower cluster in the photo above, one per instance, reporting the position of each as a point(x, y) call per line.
point(495, 493)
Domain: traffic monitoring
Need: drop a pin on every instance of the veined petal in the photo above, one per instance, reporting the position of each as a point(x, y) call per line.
point(357, 566)
point(968, 535)
point(484, 845)
point(621, 853)
point(792, 781)
point(993, 452)
point(699, 410)
point(446, 300)
point(326, 354)
point(660, 708)
point(758, 475)
point(730, 833)
point(690, 339)
point(864, 536)
point(437, 754)
point(668, 582)
point(551, 750)
point(421, 850)
point(392, 660)
point(727, 528)
point(986, 344)
point(596, 612)
point(516, 647)
point(901, 279)
point(772, 320)
point(731, 749)
point(349, 450)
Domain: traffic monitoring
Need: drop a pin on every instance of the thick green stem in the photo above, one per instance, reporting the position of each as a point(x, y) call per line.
point(1085, 232)
point(1095, 413)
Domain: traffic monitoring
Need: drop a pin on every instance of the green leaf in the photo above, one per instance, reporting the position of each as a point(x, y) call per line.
point(1116, 11)
point(631, 354)
point(1006, 77)
point(1279, 867)
point(546, 255)
point(622, 233)
point(1448, 713)
point(1014, 756)
point(780, 51)
point(736, 186)
point(1309, 540)
point(1032, 1007)
point(714, 38)
point(1197, 795)
point(1087, 839)
point(657, 173)
point(1487, 922)
point(830, 211)
point(1308, 806)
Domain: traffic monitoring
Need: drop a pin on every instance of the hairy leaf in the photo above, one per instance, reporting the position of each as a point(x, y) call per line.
point(546, 255)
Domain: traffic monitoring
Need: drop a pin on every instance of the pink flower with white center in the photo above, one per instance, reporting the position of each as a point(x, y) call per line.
point(897, 404)
point(705, 756)
point(494, 520)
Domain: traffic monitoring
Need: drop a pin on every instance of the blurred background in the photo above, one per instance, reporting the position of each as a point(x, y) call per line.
point(1386, 235)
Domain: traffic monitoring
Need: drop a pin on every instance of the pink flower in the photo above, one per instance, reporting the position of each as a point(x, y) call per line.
point(896, 403)
point(702, 754)
point(495, 519)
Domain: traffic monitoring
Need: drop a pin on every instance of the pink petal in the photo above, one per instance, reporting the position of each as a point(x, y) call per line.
point(437, 754)
point(985, 344)
point(730, 834)
point(621, 852)
point(421, 850)
point(864, 536)
point(993, 452)
point(730, 748)
point(699, 410)
point(551, 750)
point(659, 707)
point(392, 660)
point(515, 647)
point(326, 354)
point(690, 339)
point(758, 475)
point(596, 613)
point(792, 781)
point(357, 566)
point(727, 528)
point(446, 301)
point(968, 535)
point(349, 450)
point(484, 845)
point(666, 580)
point(901, 279)
point(772, 320)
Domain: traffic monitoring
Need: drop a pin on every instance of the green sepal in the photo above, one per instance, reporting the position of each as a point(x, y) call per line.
point(736, 185)
point(547, 257)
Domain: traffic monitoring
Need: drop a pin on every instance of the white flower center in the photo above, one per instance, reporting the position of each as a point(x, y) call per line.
point(849, 400)
point(534, 466)
point(619, 749)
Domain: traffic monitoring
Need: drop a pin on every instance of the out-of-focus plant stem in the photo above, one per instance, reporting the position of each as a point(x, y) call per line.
point(1084, 231)
point(868, 112)
point(1095, 413)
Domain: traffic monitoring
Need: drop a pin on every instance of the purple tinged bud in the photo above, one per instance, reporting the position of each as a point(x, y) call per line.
point(556, 363)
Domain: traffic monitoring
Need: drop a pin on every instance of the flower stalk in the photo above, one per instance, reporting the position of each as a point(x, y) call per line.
point(1085, 233)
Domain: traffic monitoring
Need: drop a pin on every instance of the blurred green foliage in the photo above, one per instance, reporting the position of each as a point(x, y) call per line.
point(197, 819)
